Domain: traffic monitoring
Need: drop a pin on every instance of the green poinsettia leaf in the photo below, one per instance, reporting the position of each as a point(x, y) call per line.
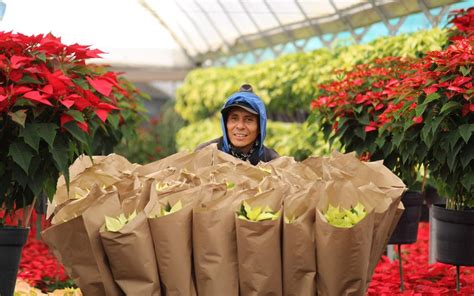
point(47, 131)
point(450, 106)
point(59, 151)
point(31, 137)
point(21, 155)
point(76, 132)
point(114, 120)
point(41, 56)
point(466, 131)
point(18, 117)
point(77, 115)
point(430, 98)
point(28, 79)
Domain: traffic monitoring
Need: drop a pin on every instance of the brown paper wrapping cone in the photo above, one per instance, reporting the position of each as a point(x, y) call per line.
point(77, 246)
point(259, 247)
point(215, 252)
point(259, 255)
point(299, 249)
point(173, 250)
point(132, 257)
point(299, 256)
point(343, 256)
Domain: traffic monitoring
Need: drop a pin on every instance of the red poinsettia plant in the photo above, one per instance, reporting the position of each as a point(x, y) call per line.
point(411, 112)
point(443, 87)
point(53, 107)
point(354, 109)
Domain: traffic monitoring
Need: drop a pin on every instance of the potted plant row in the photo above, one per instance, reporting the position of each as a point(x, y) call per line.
point(53, 107)
point(415, 113)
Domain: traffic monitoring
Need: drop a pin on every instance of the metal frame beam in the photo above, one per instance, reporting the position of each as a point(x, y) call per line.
point(201, 34)
point(347, 23)
point(433, 19)
point(282, 27)
point(267, 40)
point(231, 20)
point(171, 32)
point(361, 15)
point(214, 26)
point(314, 27)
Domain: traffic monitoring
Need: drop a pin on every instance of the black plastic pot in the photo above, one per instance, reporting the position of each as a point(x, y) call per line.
point(454, 236)
point(431, 197)
point(11, 242)
point(406, 231)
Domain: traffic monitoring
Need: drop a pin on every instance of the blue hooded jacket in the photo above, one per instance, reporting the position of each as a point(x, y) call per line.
point(256, 104)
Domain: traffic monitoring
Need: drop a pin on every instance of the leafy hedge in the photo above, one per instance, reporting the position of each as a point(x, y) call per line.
point(286, 138)
point(286, 84)
point(154, 140)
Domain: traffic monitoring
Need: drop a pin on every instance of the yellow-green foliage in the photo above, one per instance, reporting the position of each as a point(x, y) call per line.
point(291, 139)
point(288, 82)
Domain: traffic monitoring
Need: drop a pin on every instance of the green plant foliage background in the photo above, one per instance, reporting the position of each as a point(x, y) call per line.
point(286, 85)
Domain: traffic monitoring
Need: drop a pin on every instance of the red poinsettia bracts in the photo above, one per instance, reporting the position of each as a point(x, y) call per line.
point(40, 70)
point(463, 21)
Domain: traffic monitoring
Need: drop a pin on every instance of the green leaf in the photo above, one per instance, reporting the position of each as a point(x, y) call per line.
point(30, 136)
point(49, 186)
point(468, 181)
point(114, 119)
point(76, 132)
point(59, 152)
point(359, 132)
point(451, 105)
point(453, 138)
point(397, 139)
point(77, 115)
point(41, 56)
point(18, 117)
point(431, 97)
point(464, 71)
point(81, 82)
point(465, 131)
point(36, 183)
point(21, 155)
point(467, 155)
point(380, 141)
point(452, 155)
point(420, 109)
point(435, 124)
point(47, 131)
point(27, 79)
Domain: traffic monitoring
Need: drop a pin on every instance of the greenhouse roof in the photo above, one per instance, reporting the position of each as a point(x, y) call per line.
point(183, 34)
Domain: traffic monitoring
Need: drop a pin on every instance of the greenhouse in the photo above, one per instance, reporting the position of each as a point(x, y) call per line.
point(236, 147)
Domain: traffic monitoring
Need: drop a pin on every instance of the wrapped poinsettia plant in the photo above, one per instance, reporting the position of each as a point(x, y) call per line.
point(54, 107)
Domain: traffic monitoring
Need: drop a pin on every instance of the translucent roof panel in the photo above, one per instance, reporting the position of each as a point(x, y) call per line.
point(187, 33)
point(215, 29)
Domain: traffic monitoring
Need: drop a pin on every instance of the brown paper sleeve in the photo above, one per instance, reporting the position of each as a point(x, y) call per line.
point(215, 251)
point(173, 250)
point(343, 256)
point(299, 256)
point(259, 256)
point(132, 258)
point(77, 245)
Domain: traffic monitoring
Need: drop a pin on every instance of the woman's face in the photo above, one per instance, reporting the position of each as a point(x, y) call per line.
point(242, 128)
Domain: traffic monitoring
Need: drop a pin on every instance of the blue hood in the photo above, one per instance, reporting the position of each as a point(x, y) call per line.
point(256, 103)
